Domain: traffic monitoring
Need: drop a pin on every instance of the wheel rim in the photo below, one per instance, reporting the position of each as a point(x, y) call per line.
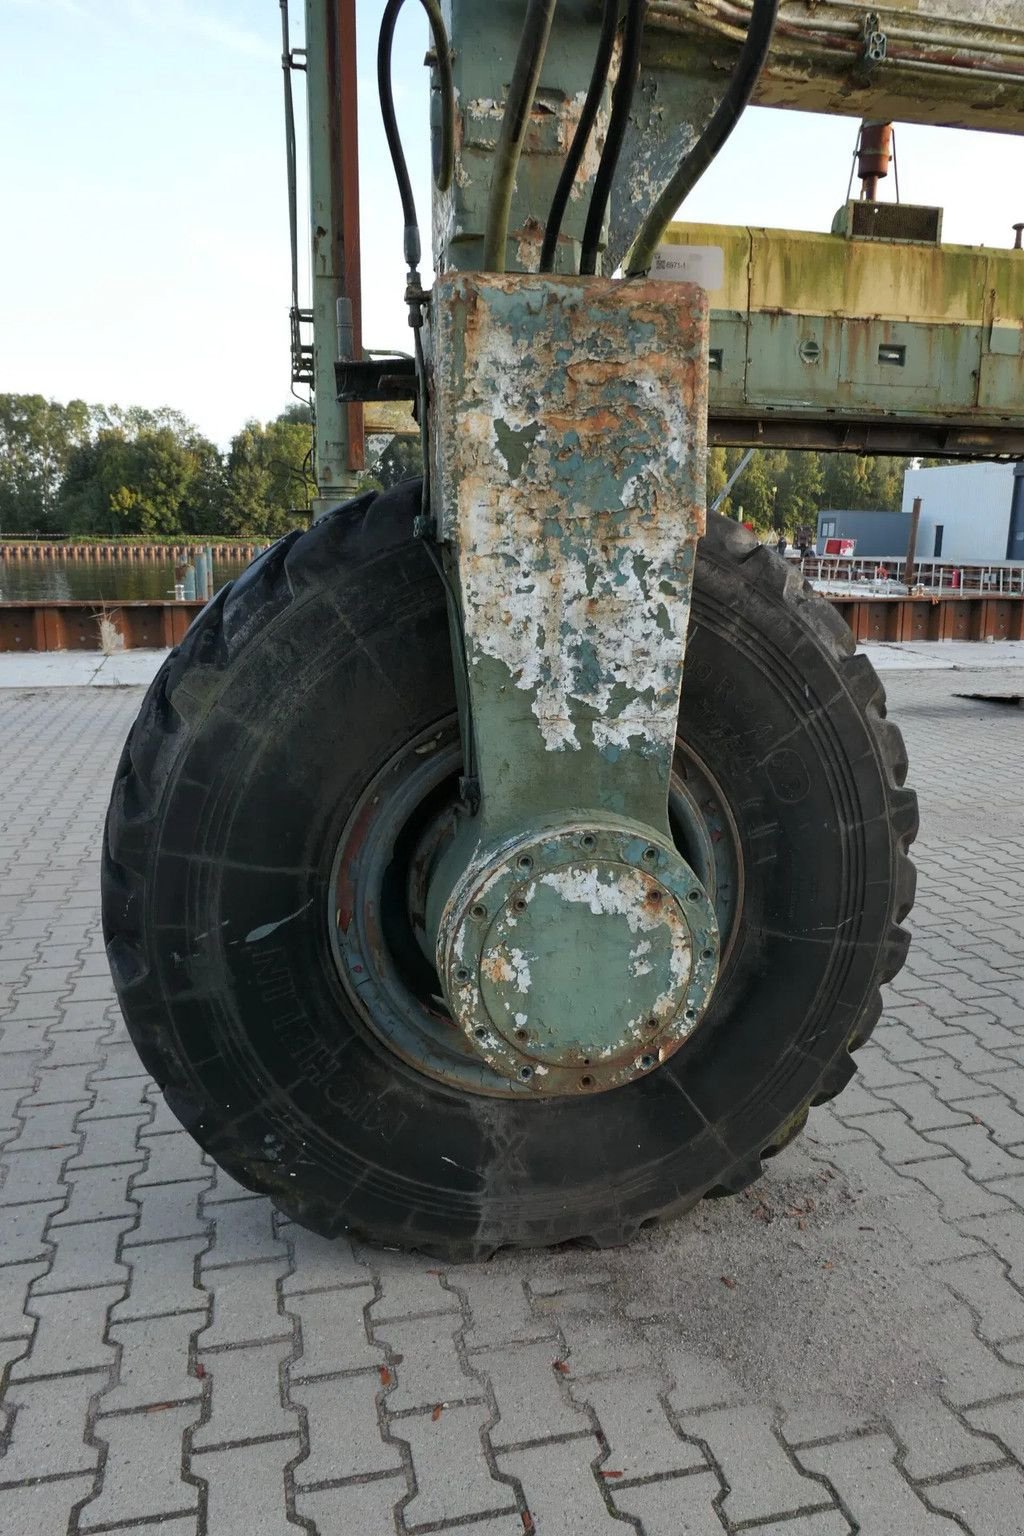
point(381, 869)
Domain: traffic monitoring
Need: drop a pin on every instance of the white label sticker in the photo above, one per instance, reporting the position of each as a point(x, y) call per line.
point(701, 264)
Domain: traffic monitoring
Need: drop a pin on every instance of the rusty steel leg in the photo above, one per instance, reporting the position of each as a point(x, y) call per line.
point(574, 944)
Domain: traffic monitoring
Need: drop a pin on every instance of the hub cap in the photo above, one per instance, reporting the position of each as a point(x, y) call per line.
point(578, 959)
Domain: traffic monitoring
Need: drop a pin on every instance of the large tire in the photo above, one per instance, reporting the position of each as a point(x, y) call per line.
point(253, 744)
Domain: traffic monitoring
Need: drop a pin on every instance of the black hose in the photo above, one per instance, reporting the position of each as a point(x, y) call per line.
point(581, 138)
point(525, 75)
point(446, 164)
point(727, 114)
point(618, 121)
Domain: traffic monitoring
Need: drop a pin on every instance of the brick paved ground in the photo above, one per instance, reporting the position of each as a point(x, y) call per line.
point(842, 1350)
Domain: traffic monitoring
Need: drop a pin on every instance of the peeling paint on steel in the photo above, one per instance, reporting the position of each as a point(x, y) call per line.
point(571, 461)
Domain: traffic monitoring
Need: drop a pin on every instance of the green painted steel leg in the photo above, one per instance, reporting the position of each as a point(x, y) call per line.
point(576, 948)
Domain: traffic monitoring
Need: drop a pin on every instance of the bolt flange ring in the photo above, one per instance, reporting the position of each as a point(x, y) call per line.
point(578, 959)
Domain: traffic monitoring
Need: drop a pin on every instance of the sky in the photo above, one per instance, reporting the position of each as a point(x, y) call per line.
point(144, 245)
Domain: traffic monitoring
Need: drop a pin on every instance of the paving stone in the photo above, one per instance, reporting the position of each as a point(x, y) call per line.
point(85, 1255)
point(763, 1483)
point(971, 1372)
point(499, 1309)
point(320, 1264)
point(170, 1160)
point(677, 1506)
point(162, 1279)
point(982, 1283)
point(699, 1382)
point(932, 1240)
point(560, 1487)
point(33, 1176)
point(76, 1047)
point(826, 1130)
point(115, 1098)
point(61, 1085)
point(937, 1444)
point(224, 1187)
point(333, 1332)
point(896, 1137)
point(163, 1119)
point(344, 1435)
point(120, 1059)
point(427, 1369)
point(1013, 1189)
point(168, 1210)
point(532, 1404)
point(108, 1141)
point(945, 1076)
point(972, 1056)
point(142, 1476)
point(864, 1475)
point(960, 1196)
point(1005, 1420)
point(246, 1395)
point(996, 1113)
point(20, 1037)
point(366, 1508)
point(48, 1438)
point(246, 1490)
point(97, 1193)
point(69, 1335)
point(244, 1234)
point(641, 1441)
point(595, 1341)
point(21, 1231)
point(877, 1071)
point(18, 1068)
point(245, 1305)
point(43, 1006)
point(43, 1509)
point(47, 1126)
point(153, 1365)
point(812, 1416)
point(411, 1286)
point(452, 1476)
point(985, 1159)
point(988, 1502)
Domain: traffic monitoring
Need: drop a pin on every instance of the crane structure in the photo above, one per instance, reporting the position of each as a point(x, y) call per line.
point(517, 855)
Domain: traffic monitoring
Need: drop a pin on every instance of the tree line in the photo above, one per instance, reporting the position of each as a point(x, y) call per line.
point(781, 491)
point(117, 471)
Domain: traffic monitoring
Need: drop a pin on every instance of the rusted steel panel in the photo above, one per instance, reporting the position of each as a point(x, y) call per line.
point(878, 619)
point(906, 347)
point(75, 625)
point(956, 62)
point(570, 439)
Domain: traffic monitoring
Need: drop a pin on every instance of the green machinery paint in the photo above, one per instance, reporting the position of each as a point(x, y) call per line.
point(567, 424)
point(574, 944)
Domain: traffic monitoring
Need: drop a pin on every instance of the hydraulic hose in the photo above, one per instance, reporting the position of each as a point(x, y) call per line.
point(446, 163)
point(581, 138)
point(525, 75)
point(618, 121)
point(727, 114)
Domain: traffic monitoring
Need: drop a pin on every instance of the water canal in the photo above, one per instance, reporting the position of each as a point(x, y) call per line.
point(58, 579)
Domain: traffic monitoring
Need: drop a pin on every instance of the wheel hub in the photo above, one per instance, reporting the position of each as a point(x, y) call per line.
point(578, 959)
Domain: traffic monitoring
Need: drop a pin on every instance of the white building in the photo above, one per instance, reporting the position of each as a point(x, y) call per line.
point(969, 512)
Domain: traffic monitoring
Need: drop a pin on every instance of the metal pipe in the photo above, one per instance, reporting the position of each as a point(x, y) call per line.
point(334, 220)
point(696, 10)
point(915, 521)
point(525, 75)
point(581, 138)
point(618, 121)
point(753, 54)
point(737, 472)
